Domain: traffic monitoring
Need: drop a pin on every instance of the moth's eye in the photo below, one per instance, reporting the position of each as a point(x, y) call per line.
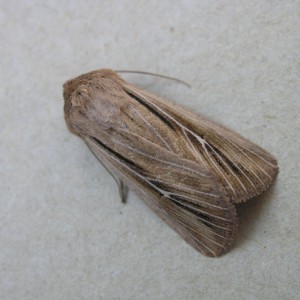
point(80, 97)
point(83, 93)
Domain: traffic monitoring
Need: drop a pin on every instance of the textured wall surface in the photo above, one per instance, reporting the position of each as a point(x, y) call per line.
point(64, 233)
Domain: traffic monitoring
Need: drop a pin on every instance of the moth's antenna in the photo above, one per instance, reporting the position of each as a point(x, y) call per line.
point(154, 74)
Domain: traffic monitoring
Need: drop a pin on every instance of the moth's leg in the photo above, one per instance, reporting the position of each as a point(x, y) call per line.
point(123, 189)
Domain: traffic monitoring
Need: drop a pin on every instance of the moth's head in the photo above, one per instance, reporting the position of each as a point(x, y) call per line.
point(92, 98)
point(95, 77)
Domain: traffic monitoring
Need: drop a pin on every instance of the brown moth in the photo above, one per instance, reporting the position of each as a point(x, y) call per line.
point(189, 170)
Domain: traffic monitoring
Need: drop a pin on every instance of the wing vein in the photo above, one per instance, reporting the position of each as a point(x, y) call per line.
point(198, 210)
point(153, 129)
point(228, 167)
point(229, 139)
point(157, 159)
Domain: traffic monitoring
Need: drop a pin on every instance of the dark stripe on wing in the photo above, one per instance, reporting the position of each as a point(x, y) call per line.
point(119, 156)
point(151, 109)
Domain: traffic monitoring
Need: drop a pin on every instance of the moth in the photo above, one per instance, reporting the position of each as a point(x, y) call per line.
point(189, 170)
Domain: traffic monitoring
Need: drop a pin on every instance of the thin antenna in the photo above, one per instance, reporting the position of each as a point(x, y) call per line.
point(154, 74)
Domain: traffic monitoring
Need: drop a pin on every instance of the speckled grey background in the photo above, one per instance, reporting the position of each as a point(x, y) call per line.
point(63, 232)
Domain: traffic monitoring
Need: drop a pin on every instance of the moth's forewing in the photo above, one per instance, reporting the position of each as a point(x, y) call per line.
point(245, 169)
point(181, 192)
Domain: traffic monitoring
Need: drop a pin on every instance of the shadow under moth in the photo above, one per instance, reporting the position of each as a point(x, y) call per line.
point(188, 169)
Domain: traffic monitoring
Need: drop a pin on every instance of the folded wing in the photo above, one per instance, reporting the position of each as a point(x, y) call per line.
point(183, 193)
point(244, 169)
